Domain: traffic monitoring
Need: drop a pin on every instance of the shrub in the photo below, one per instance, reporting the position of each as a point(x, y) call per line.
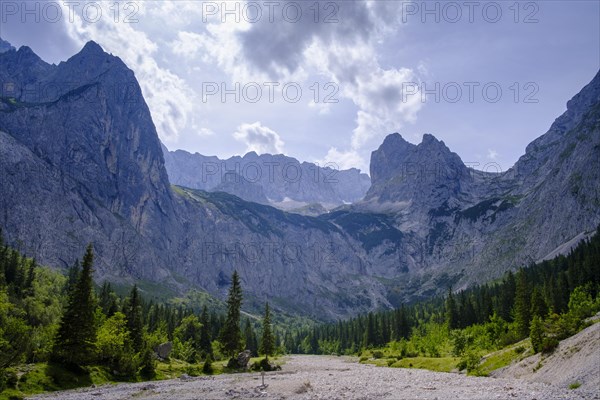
point(574, 385)
point(549, 344)
point(378, 354)
point(470, 362)
point(207, 368)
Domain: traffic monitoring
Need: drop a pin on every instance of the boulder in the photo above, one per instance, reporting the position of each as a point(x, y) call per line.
point(163, 350)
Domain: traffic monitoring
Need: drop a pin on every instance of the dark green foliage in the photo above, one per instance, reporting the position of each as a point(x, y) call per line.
point(76, 338)
point(538, 304)
point(451, 312)
point(147, 364)
point(369, 229)
point(231, 335)
point(504, 308)
point(250, 339)
point(133, 312)
point(205, 333)
point(537, 334)
point(207, 367)
point(522, 314)
point(267, 343)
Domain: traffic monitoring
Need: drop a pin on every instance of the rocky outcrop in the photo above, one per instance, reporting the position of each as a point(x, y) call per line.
point(278, 180)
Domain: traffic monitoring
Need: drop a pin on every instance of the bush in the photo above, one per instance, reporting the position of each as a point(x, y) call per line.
point(378, 354)
point(470, 362)
point(207, 368)
point(549, 344)
point(264, 365)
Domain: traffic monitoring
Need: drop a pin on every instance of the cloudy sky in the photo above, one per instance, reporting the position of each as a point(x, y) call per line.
point(327, 81)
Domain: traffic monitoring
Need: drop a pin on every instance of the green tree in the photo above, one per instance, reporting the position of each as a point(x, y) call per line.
point(250, 338)
point(205, 333)
point(537, 334)
point(231, 335)
point(133, 311)
point(14, 333)
point(538, 304)
point(76, 339)
point(267, 343)
point(115, 345)
point(451, 312)
point(188, 334)
point(522, 307)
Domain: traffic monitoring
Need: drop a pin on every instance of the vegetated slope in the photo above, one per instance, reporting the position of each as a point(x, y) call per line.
point(575, 361)
point(81, 162)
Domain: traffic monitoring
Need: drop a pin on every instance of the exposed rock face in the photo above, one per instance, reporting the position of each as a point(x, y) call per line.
point(277, 180)
point(468, 225)
point(81, 162)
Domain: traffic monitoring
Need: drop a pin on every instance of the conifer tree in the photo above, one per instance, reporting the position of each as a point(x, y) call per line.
point(205, 333)
point(267, 343)
point(75, 341)
point(538, 304)
point(522, 308)
point(231, 335)
point(451, 312)
point(250, 338)
point(135, 325)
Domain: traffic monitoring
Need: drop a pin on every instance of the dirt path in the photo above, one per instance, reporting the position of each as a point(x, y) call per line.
point(324, 377)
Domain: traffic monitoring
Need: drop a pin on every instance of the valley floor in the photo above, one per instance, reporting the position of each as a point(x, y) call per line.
point(329, 377)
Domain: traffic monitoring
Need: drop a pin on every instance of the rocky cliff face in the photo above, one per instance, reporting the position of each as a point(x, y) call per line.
point(80, 161)
point(278, 180)
point(470, 226)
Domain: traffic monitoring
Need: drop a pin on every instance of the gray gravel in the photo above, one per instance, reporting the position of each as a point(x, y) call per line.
point(325, 377)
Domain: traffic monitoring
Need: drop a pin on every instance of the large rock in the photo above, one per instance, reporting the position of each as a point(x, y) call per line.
point(240, 362)
point(163, 350)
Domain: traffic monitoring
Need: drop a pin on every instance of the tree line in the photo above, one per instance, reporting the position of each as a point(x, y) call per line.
point(64, 320)
point(535, 297)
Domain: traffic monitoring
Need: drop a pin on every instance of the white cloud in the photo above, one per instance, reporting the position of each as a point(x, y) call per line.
point(343, 159)
point(187, 44)
point(205, 132)
point(259, 138)
point(492, 154)
point(168, 96)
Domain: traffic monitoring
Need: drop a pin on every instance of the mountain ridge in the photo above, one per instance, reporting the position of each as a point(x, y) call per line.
point(81, 165)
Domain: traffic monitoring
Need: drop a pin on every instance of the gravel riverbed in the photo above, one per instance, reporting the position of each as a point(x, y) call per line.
point(330, 378)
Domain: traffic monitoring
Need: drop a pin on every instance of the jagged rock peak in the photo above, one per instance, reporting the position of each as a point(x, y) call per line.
point(5, 46)
point(92, 47)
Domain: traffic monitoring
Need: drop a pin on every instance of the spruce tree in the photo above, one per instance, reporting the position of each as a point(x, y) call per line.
point(250, 338)
point(205, 333)
point(135, 325)
point(522, 308)
point(231, 335)
point(76, 337)
point(451, 312)
point(538, 304)
point(267, 343)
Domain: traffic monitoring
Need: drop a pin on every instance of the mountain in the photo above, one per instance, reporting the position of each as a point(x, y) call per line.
point(80, 162)
point(276, 180)
point(474, 225)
